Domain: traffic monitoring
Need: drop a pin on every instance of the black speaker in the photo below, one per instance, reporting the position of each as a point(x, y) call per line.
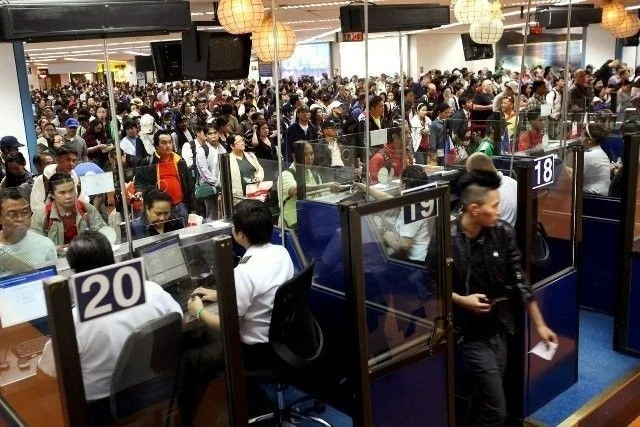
point(39, 21)
point(556, 16)
point(474, 51)
point(167, 60)
point(404, 17)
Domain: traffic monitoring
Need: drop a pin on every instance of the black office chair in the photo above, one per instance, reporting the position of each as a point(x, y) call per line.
point(147, 367)
point(297, 340)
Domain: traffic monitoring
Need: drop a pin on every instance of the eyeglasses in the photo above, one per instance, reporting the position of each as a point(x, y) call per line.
point(15, 215)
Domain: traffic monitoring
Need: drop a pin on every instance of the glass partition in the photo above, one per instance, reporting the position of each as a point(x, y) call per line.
point(32, 395)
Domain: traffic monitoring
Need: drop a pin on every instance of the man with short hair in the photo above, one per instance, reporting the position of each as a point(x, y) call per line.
point(510, 90)
point(183, 139)
point(430, 99)
point(301, 130)
point(539, 93)
point(482, 106)
point(168, 172)
point(580, 96)
point(554, 98)
point(21, 249)
point(73, 140)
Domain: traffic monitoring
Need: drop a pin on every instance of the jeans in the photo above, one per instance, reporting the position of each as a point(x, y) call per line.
point(180, 211)
point(485, 360)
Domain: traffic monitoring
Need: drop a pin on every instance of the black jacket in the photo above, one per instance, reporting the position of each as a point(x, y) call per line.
point(148, 177)
point(502, 259)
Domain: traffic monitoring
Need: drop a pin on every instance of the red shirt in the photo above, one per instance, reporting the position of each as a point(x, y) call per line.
point(70, 228)
point(380, 160)
point(169, 180)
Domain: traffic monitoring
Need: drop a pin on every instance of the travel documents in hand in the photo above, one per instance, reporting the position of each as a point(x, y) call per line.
point(544, 350)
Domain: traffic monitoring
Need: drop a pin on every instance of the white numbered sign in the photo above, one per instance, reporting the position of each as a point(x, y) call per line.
point(109, 289)
point(419, 211)
point(543, 171)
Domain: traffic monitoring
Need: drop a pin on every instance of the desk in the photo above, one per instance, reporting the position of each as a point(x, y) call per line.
point(122, 253)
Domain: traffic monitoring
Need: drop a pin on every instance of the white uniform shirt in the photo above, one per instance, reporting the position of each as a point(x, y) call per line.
point(258, 276)
point(419, 232)
point(508, 199)
point(597, 171)
point(100, 341)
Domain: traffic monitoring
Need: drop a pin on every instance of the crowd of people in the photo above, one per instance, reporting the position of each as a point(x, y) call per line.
point(172, 137)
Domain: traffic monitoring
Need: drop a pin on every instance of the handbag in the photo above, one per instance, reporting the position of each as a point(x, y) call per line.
point(205, 191)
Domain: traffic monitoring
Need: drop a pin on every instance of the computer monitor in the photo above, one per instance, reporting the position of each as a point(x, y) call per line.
point(22, 297)
point(164, 261)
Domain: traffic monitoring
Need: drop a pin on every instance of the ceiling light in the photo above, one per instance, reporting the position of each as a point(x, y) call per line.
point(325, 4)
point(263, 40)
point(319, 36)
point(133, 52)
point(240, 16)
point(311, 21)
point(312, 29)
point(80, 60)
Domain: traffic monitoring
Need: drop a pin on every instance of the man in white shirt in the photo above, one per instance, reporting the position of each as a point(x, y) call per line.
point(21, 249)
point(208, 164)
point(508, 186)
point(101, 340)
point(554, 98)
point(259, 274)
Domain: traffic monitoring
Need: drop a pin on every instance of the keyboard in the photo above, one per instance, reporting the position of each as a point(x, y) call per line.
point(30, 348)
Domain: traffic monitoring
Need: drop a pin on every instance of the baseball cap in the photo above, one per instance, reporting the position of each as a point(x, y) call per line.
point(335, 104)
point(10, 141)
point(513, 85)
point(72, 123)
point(329, 123)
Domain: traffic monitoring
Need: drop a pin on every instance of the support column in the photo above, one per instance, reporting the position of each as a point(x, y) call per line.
point(17, 117)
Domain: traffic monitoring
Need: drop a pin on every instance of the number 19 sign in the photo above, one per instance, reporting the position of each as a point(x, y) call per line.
point(109, 289)
point(543, 171)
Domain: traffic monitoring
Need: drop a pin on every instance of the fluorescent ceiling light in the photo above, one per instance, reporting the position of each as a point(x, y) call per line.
point(324, 4)
point(81, 60)
point(319, 36)
point(311, 29)
point(133, 52)
point(309, 21)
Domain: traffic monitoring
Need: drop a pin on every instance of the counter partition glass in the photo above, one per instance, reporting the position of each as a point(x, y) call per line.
point(397, 287)
point(127, 342)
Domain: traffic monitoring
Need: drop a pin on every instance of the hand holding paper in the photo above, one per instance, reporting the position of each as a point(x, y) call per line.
point(545, 350)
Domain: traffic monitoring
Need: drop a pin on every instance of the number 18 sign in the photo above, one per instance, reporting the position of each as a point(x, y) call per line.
point(109, 289)
point(543, 171)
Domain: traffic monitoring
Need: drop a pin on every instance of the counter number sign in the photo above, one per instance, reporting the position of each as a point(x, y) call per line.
point(419, 211)
point(543, 171)
point(109, 289)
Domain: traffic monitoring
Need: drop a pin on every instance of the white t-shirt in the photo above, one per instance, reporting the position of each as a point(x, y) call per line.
point(31, 252)
point(419, 232)
point(597, 171)
point(100, 340)
point(128, 146)
point(258, 275)
point(508, 199)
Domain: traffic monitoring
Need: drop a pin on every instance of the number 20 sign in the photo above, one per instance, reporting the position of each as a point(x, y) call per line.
point(543, 171)
point(109, 289)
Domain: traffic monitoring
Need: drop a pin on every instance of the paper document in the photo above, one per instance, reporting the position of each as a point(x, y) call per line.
point(97, 184)
point(544, 350)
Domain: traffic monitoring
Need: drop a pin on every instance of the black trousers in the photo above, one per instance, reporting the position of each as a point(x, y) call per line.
point(485, 360)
